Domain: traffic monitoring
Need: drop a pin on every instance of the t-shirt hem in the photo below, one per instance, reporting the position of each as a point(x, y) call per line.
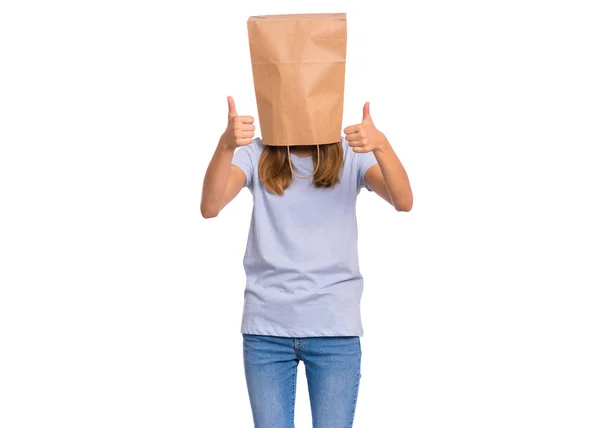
point(275, 331)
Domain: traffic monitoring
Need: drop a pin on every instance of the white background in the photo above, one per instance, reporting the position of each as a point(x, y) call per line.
point(120, 305)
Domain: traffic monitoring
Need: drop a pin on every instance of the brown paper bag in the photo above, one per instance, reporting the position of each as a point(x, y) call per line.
point(298, 65)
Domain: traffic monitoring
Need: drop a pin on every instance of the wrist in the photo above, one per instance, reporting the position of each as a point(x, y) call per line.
point(383, 146)
point(225, 144)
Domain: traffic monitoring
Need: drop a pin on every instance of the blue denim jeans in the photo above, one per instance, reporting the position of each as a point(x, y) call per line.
point(332, 367)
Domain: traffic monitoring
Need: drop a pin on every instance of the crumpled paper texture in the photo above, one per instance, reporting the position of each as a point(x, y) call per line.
point(299, 66)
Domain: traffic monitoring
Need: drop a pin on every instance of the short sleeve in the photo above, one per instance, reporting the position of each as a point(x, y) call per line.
point(364, 162)
point(244, 158)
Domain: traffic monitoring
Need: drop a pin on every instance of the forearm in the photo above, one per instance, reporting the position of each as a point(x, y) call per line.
point(215, 179)
point(395, 176)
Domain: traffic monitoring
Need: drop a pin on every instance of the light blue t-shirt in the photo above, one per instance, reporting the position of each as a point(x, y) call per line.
point(301, 259)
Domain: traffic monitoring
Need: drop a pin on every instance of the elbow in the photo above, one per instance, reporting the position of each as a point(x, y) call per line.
point(208, 213)
point(404, 206)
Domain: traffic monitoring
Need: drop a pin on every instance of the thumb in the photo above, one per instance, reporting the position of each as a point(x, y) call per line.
point(367, 113)
point(232, 110)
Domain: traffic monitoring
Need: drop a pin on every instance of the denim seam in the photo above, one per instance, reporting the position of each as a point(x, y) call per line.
point(357, 383)
point(298, 344)
point(302, 342)
point(355, 399)
point(294, 394)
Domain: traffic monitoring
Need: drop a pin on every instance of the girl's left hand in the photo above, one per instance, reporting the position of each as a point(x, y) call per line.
point(365, 137)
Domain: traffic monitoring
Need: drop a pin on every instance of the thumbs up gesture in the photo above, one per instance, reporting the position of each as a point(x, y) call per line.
point(240, 129)
point(364, 137)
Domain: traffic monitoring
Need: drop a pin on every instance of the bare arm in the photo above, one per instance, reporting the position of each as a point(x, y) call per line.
point(388, 177)
point(223, 181)
point(389, 180)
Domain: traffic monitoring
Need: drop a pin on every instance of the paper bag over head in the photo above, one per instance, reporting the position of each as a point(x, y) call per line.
point(299, 65)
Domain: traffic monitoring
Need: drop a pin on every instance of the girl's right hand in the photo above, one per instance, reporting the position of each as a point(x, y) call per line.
point(240, 129)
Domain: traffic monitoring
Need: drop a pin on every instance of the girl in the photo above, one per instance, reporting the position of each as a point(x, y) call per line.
point(303, 289)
